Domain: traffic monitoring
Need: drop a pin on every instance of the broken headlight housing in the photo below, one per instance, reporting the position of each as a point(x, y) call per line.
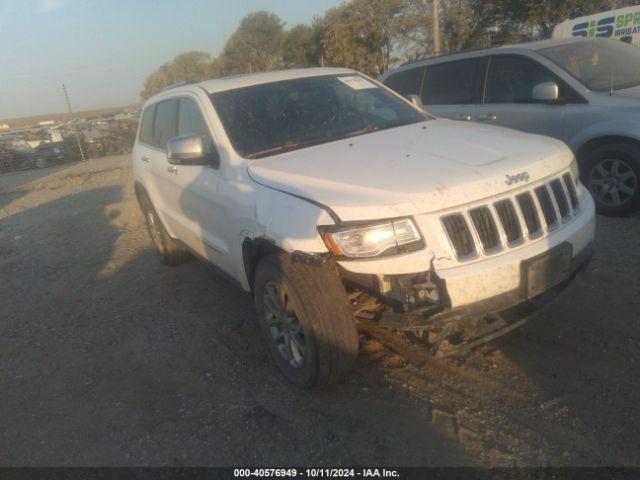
point(388, 237)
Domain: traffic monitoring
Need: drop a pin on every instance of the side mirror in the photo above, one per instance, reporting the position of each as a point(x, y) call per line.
point(186, 150)
point(546, 92)
point(416, 100)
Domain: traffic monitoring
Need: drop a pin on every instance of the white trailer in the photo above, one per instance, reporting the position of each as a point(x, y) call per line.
point(622, 24)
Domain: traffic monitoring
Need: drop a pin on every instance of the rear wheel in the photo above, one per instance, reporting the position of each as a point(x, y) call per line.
point(167, 248)
point(612, 175)
point(306, 321)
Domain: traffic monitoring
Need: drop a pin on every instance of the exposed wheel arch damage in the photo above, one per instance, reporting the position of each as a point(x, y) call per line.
point(254, 250)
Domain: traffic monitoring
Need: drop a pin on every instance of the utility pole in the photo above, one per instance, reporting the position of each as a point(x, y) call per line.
point(66, 97)
point(436, 27)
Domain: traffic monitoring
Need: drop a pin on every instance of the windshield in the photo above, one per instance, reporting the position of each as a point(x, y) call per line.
point(271, 118)
point(601, 65)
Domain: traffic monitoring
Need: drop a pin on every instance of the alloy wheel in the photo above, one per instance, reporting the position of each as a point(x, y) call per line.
point(286, 332)
point(613, 182)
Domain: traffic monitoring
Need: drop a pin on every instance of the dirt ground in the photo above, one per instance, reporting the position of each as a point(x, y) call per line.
point(108, 357)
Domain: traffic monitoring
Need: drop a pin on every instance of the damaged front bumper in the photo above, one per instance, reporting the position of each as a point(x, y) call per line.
point(524, 278)
point(420, 301)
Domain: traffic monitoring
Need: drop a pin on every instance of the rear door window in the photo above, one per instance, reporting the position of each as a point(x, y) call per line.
point(166, 123)
point(450, 83)
point(406, 82)
point(146, 126)
point(511, 79)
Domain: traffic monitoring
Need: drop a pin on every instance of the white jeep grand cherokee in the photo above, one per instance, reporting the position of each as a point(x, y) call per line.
point(306, 186)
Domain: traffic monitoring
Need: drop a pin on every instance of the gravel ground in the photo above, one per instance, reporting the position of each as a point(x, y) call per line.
point(108, 357)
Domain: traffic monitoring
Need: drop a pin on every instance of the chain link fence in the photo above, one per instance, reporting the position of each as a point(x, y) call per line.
point(50, 143)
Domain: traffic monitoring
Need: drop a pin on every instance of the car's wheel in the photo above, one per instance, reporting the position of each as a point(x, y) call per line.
point(306, 321)
point(167, 248)
point(612, 175)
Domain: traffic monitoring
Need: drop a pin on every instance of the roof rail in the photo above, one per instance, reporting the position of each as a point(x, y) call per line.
point(181, 84)
point(450, 54)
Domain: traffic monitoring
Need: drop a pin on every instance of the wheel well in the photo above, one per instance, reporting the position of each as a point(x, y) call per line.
point(141, 194)
point(600, 141)
point(254, 250)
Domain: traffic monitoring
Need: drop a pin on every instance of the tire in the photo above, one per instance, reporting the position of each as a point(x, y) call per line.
point(168, 249)
point(317, 344)
point(612, 175)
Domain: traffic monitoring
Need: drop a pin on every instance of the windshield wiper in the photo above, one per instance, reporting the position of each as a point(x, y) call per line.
point(285, 147)
point(375, 128)
point(364, 131)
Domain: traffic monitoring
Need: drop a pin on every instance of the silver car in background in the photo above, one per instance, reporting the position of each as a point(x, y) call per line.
point(585, 92)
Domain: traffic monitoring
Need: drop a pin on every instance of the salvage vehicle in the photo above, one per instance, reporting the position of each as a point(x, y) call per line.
point(324, 194)
point(585, 92)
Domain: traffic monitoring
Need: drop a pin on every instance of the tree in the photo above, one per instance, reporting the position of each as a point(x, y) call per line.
point(469, 24)
point(256, 45)
point(300, 47)
point(362, 34)
point(415, 32)
point(184, 67)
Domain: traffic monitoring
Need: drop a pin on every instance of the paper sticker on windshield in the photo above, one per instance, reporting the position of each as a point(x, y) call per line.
point(357, 82)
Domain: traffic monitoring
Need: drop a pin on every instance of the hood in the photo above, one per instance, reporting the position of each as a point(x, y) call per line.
point(414, 169)
point(633, 92)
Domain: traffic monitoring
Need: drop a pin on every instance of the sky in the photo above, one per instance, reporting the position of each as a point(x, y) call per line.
point(102, 50)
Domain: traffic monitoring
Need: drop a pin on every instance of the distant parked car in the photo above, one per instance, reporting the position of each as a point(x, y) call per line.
point(583, 91)
point(48, 154)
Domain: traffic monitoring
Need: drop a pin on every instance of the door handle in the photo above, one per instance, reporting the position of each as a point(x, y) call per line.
point(172, 169)
point(144, 158)
point(489, 116)
point(465, 116)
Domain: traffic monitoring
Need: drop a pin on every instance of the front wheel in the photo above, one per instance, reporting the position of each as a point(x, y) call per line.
point(306, 321)
point(612, 175)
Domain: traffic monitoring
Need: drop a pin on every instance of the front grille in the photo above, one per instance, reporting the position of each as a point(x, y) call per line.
point(529, 212)
point(509, 220)
point(459, 234)
point(550, 199)
point(546, 204)
point(561, 198)
point(571, 188)
point(486, 227)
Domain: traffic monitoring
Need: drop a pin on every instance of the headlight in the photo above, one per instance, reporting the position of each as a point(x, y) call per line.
point(383, 238)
